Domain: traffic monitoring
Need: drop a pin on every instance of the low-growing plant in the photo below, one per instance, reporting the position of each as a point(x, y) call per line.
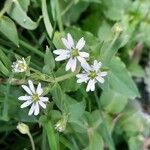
point(66, 69)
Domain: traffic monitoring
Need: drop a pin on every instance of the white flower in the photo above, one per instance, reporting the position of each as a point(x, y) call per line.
point(34, 98)
point(92, 74)
point(72, 52)
point(19, 66)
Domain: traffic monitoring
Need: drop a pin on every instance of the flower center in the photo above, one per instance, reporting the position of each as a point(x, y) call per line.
point(74, 53)
point(92, 74)
point(21, 66)
point(35, 97)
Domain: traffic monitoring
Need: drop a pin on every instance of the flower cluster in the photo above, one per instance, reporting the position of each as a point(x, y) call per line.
point(91, 73)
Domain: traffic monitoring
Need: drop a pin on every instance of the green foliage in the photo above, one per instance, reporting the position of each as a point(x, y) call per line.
point(73, 118)
point(8, 28)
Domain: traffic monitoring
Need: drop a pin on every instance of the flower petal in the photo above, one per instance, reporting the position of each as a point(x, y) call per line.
point(66, 43)
point(70, 40)
point(43, 99)
point(61, 51)
point(25, 104)
point(31, 109)
point(27, 89)
point(84, 54)
point(39, 89)
point(37, 109)
point(42, 104)
point(100, 79)
point(91, 85)
point(82, 60)
point(24, 98)
point(31, 86)
point(96, 65)
point(103, 74)
point(71, 64)
point(62, 57)
point(82, 78)
point(74, 64)
point(80, 44)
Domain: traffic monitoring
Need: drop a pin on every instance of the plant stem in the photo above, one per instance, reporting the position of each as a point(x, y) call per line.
point(67, 8)
point(107, 137)
point(31, 140)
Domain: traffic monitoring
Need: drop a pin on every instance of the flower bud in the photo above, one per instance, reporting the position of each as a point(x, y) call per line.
point(23, 128)
point(60, 126)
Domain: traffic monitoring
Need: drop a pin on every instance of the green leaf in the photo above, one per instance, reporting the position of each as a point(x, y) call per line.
point(93, 1)
point(113, 102)
point(8, 28)
point(131, 122)
point(6, 61)
point(57, 95)
point(96, 142)
point(136, 70)
point(135, 143)
point(114, 9)
point(19, 15)
point(3, 69)
point(75, 111)
point(74, 12)
point(49, 62)
point(47, 22)
point(120, 80)
point(70, 85)
point(52, 137)
point(110, 47)
point(24, 4)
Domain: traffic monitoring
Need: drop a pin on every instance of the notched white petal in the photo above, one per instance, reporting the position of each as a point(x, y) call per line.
point(27, 89)
point(84, 54)
point(31, 109)
point(42, 104)
point(31, 86)
point(73, 65)
point(25, 104)
point(39, 89)
point(100, 79)
point(61, 51)
point(44, 99)
point(36, 109)
point(103, 74)
point(24, 98)
point(91, 85)
point(70, 40)
point(66, 43)
point(80, 44)
point(62, 57)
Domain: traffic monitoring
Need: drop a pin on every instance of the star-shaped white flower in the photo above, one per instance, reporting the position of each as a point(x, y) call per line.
point(34, 98)
point(19, 66)
point(72, 52)
point(92, 74)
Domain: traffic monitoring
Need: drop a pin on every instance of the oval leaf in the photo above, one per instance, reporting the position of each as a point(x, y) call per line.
point(8, 28)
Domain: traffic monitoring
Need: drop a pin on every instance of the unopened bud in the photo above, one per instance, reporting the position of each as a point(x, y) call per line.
point(23, 128)
point(60, 126)
point(118, 28)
